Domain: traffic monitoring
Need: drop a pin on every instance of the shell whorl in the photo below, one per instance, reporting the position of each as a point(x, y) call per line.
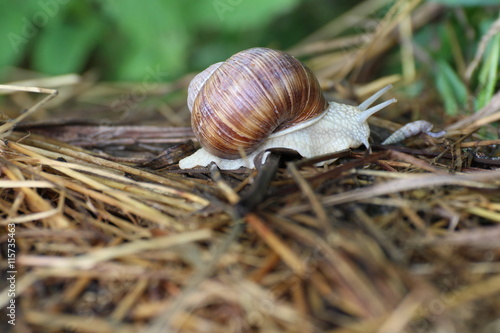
point(237, 104)
point(198, 81)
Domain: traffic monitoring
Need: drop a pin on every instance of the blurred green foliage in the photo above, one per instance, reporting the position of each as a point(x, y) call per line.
point(467, 2)
point(122, 37)
point(129, 39)
point(451, 44)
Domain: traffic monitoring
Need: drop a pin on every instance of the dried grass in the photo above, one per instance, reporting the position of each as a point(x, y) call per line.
point(400, 239)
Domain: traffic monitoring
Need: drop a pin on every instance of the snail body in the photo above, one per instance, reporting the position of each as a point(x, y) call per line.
point(262, 98)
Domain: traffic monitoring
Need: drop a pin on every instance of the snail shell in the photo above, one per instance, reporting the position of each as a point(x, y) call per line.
point(235, 105)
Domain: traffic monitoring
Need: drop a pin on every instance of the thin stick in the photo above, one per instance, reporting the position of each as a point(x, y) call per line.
point(318, 209)
point(7, 128)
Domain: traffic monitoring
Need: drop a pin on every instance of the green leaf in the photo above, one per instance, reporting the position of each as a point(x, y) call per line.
point(451, 88)
point(17, 30)
point(153, 35)
point(239, 15)
point(65, 44)
point(458, 3)
point(488, 74)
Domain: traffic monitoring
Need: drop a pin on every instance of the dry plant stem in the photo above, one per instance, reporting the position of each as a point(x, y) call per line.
point(340, 43)
point(405, 311)
point(128, 203)
point(288, 256)
point(53, 81)
point(375, 85)
point(483, 143)
point(400, 11)
point(407, 52)
point(58, 322)
point(228, 192)
point(90, 260)
point(338, 67)
point(45, 211)
point(312, 197)
point(123, 228)
point(300, 301)
point(489, 113)
point(393, 252)
point(416, 220)
point(492, 31)
point(470, 129)
point(482, 179)
point(262, 181)
point(472, 292)
point(70, 295)
point(170, 188)
point(95, 134)
point(416, 162)
point(25, 183)
point(161, 219)
point(270, 263)
point(114, 190)
point(162, 322)
point(352, 17)
point(12, 210)
point(455, 48)
point(166, 317)
point(256, 193)
point(442, 155)
point(484, 213)
point(128, 302)
point(7, 128)
point(350, 275)
point(475, 238)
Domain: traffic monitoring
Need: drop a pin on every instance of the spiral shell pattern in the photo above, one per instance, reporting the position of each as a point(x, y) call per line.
point(240, 102)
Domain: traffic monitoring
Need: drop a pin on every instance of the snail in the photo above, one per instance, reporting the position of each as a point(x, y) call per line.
point(262, 98)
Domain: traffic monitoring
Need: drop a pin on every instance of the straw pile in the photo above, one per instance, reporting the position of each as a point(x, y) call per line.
point(112, 239)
